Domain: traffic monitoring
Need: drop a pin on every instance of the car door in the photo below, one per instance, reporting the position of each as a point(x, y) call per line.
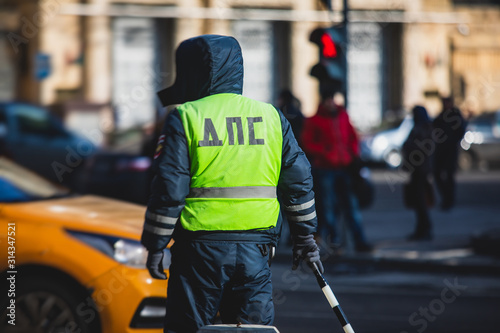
point(491, 150)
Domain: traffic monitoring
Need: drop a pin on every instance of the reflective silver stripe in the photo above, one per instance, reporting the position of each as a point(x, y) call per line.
point(158, 231)
point(248, 192)
point(161, 218)
point(302, 218)
point(296, 208)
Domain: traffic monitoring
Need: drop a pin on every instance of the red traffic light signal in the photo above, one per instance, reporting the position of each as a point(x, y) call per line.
point(331, 68)
point(328, 47)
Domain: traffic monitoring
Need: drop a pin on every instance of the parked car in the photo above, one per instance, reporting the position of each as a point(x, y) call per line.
point(74, 263)
point(32, 137)
point(480, 146)
point(35, 139)
point(481, 142)
point(118, 175)
point(385, 147)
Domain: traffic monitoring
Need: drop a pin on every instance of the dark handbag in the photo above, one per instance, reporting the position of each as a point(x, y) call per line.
point(363, 189)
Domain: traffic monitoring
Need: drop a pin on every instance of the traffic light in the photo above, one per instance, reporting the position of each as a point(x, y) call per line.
point(331, 68)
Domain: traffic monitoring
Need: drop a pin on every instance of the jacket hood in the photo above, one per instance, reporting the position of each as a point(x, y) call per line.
point(205, 65)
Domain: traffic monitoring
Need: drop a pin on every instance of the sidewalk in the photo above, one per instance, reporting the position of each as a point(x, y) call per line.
point(388, 222)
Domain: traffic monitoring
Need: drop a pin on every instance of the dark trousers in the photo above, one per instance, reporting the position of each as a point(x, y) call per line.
point(334, 196)
point(444, 176)
point(418, 184)
point(207, 277)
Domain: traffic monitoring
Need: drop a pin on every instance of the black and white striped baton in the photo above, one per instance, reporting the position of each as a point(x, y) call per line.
point(325, 287)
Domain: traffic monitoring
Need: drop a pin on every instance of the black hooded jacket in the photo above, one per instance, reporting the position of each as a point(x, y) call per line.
point(205, 65)
point(209, 65)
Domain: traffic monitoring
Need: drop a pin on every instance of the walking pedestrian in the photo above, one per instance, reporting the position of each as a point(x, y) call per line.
point(419, 190)
point(292, 109)
point(219, 163)
point(331, 143)
point(452, 125)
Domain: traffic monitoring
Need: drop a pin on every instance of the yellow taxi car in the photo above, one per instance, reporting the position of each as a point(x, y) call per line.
point(72, 263)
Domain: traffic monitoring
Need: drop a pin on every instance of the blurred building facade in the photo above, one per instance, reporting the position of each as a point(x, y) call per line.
point(117, 54)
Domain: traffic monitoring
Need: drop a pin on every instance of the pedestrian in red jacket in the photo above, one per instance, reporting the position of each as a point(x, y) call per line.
point(332, 146)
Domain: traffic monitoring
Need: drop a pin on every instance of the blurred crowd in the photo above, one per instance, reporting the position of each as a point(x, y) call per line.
point(331, 143)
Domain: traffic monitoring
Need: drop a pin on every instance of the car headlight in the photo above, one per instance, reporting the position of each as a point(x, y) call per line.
point(469, 137)
point(130, 253)
point(125, 251)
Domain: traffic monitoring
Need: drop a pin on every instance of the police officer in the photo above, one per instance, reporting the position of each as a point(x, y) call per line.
point(220, 161)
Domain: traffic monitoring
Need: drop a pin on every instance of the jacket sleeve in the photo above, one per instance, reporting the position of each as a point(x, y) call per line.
point(170, 184)
point(353, 137)
point(295, 185)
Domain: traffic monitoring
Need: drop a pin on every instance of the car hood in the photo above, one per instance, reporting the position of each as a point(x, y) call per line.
point(83, 213)
point(396, 136)
point(388, 134)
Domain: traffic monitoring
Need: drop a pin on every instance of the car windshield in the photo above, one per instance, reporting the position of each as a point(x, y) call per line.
point(18, 184)
point(32, 120)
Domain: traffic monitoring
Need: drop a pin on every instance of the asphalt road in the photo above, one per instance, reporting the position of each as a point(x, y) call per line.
point(384, 302)
point(395, 299)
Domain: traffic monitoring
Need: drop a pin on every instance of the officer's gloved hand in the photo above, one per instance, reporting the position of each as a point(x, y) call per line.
point(305, 248)
point(155, 265)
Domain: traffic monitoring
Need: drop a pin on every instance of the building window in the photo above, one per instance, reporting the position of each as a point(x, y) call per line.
point(133, 72)
point(266, 57)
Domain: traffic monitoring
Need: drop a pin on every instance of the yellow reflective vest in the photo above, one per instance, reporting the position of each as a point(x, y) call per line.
point(235, 149)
